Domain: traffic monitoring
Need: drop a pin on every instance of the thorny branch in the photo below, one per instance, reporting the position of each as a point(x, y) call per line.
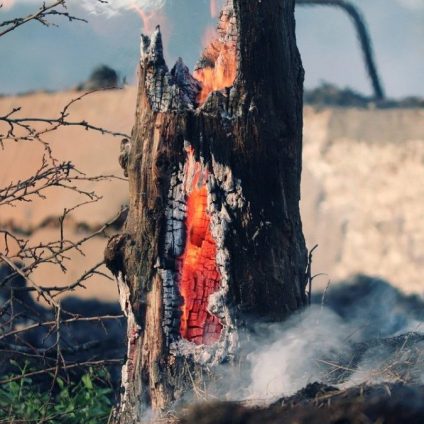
point(23, 321)
point(57, 8)
point(67, 367)
point(42, 15)
point(37, 288)
point(50, 337)
point(53, 323)
point(63, 175)
point(25, 129)
point(54, 252)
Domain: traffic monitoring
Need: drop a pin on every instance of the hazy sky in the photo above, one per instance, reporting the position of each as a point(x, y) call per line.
point(36, 57)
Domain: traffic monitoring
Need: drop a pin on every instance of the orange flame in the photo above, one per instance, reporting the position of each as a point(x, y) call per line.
point(199, 275)
point(218, 77)
point(149, 19)
point(220, 57)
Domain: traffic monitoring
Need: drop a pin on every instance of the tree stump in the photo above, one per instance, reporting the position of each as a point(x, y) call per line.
point(213, 237)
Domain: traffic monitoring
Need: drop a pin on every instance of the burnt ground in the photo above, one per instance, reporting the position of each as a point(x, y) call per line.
point(387, 342)
point(319, 404)
point(388, 335)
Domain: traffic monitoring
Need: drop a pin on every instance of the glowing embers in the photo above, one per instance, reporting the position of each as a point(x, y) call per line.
point(199, 276)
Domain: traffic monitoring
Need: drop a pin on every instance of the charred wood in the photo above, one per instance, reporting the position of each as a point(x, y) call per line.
point(214, 167)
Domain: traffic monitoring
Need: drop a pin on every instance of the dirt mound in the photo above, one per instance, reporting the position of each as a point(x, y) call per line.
point(317, 404)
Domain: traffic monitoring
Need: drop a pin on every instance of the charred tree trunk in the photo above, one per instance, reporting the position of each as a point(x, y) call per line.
point(213, 236)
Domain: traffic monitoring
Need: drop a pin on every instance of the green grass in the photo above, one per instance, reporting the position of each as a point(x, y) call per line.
point(81, 402)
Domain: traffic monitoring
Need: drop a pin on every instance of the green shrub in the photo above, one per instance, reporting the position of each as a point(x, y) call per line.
point(81, 402)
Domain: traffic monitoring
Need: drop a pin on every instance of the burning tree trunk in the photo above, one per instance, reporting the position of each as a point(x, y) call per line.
point(214, 234)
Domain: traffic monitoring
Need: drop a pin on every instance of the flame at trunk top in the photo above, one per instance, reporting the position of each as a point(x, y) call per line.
point(217, 68)
point(219, 76)
point(199, 275)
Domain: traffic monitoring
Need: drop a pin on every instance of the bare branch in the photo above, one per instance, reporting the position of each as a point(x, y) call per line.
point(57, 8)
point(30, 132)
point(28, 329)
point(64, 322)
point(63, 175)
point(37, 288)
point(51, 252)
point(67, 367)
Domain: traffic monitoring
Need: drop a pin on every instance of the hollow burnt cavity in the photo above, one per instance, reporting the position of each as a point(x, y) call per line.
point(199, 276)
point(195, 270)
point(193, 263)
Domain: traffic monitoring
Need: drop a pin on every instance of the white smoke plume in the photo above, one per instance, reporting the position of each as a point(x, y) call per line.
point(369, 333)
point(113, 7)
point(290, 357)
point(412, 4)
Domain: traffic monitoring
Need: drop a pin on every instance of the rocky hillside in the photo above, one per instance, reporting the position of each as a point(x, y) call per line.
point(363, 193)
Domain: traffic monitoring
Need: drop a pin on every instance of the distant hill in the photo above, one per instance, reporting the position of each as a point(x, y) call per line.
point(361, 195)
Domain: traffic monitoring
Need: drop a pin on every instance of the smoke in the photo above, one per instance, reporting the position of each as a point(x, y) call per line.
point(113, 7)
point(412, 4)
point(368, 332)
point(289, 358)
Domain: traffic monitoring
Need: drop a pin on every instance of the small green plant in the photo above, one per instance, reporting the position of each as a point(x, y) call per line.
point(84, 401)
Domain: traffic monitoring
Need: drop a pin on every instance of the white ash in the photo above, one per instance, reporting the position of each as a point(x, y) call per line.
point(166, 91)
point(227, 27)
point(133, 334)
point(173, 248)
point(230, 185)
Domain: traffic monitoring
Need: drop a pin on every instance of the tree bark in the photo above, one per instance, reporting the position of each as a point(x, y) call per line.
point(213, 238)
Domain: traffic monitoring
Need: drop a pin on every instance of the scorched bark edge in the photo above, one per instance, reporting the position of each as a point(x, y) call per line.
point(242, 148)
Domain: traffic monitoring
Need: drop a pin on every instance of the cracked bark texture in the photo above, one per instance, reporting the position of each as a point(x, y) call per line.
point(247, 139)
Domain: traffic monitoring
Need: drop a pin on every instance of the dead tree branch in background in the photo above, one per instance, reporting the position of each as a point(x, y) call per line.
point(363, 35)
